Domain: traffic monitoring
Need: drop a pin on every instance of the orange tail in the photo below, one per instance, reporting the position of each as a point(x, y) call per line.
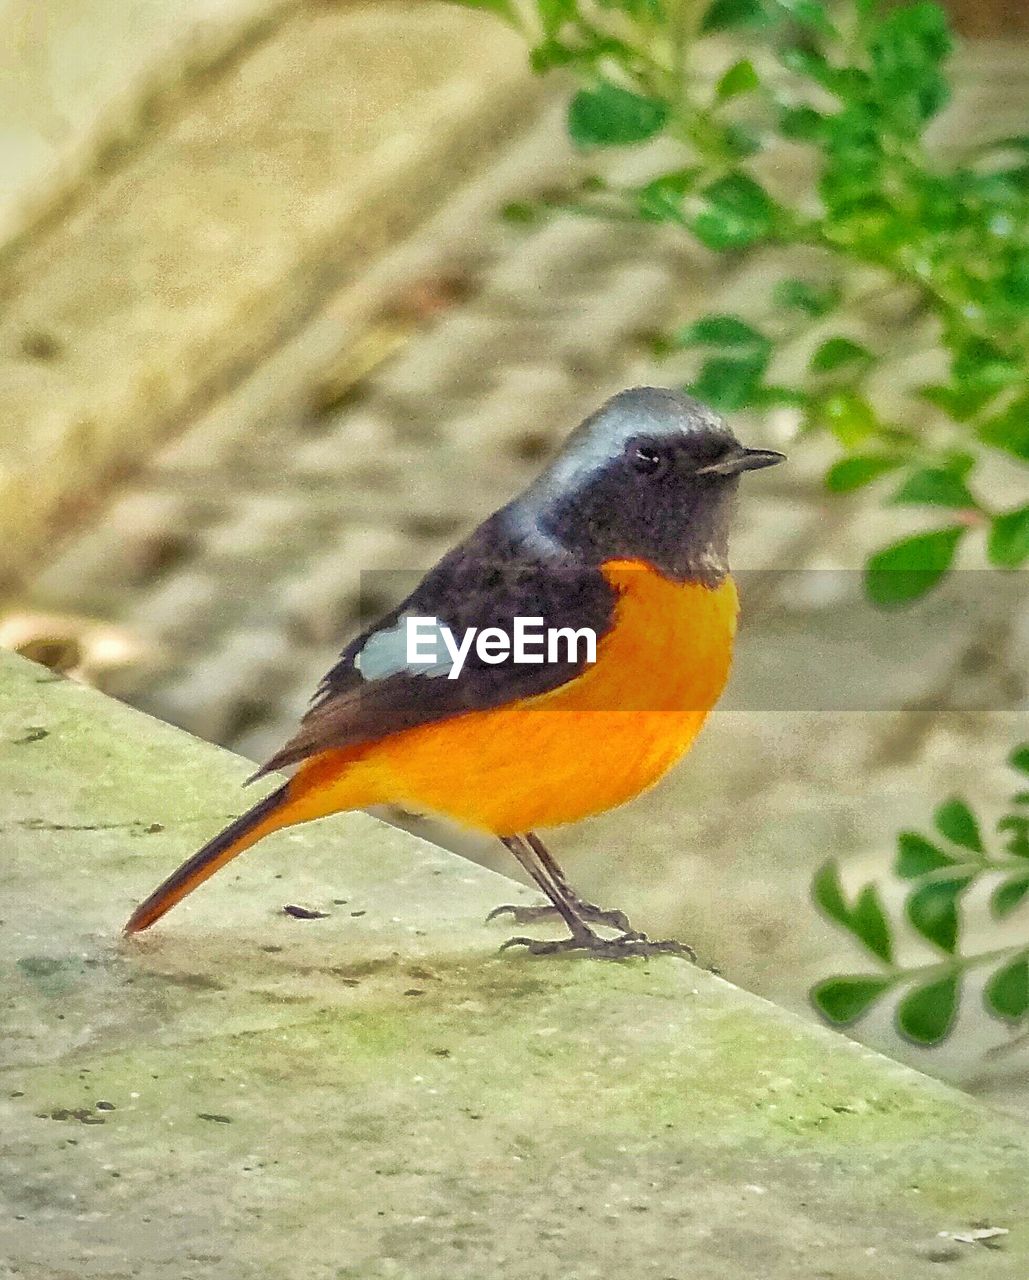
point(267, 815)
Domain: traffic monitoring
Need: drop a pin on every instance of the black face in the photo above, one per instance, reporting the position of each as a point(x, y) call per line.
point(651, 476)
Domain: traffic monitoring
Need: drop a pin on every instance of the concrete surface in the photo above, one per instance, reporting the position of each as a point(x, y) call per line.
point(379, 1094)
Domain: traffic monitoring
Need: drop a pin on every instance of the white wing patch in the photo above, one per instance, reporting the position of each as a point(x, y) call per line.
point(385, 653)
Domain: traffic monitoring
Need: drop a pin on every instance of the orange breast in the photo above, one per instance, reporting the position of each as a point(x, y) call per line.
point(590, 745)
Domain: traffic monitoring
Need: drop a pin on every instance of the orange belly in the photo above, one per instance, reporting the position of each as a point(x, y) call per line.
point(590, 745)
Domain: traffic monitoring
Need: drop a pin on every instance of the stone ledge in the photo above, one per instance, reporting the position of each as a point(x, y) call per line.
point(379, 1094)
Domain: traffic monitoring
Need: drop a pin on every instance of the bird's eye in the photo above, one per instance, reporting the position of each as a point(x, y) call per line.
point(647, 459)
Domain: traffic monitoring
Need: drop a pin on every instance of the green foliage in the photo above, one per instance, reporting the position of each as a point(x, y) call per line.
point(858, 470)
point(936, 487)
point(866, 920)
point(927, 1012)
point(1008, 540)
point(956, 822)
point(933, 910)
point(740, 78)
point(940, 873)
point(1007, 991)
point(723, 15)
point(609, 116)
point(726, 379)
point(812, 300)
point(844, 1000)
point(908, 569)
point(854, 83)
point(839, 353)
point(736, 213)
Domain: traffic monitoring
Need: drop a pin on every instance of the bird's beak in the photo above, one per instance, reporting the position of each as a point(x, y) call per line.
point(745, 460)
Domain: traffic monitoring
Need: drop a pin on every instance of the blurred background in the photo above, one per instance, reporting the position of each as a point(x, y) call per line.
point(266, 340)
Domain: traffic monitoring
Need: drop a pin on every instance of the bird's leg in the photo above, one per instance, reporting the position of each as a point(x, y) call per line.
point(580, 930)
point(585, 910)
point(582, 936)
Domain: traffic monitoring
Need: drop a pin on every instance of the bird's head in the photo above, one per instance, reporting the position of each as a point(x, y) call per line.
point(650, 476)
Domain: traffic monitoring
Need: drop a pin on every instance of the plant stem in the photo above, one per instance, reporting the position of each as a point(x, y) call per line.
point(960, 964)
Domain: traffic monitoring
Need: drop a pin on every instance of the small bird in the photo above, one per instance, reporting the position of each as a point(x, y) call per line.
point(623, 537)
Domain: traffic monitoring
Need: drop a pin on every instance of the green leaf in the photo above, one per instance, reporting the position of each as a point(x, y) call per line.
point(935, 486)
point(811, 299)
point(908, 569)
point(740, 78)
point(979, 360)
point(555, 13)
point(869, 923)
point(916, 856)
point(1007, 544)
point(961, 403)
point(1008, 895)
point(978, 375)
point(828, 893)
point(933, 910)
point(660, 200)
point(610, 116)
point(729, 383)
point(772, 396)
point(957, 402)
point(849, 417)
point(1006, 995)
point(552, 53)
point(521, 213)
point(961, 464)
point(839, 353)
point(738, 140)
point(844, 1000)
point(739, 213)
point(906, 53)
point(724, 15)
point(866, 920)
point(957, 822)
point(913, 36)
point(721, 331)
point(857, 471)
point(802, 124)
point(1017, 843)
point(926, 1014)
point(809, 13)
point(1019, 758)
point(806, 61)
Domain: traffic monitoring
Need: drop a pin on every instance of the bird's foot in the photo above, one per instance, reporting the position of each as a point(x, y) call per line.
point(621, 948)
point(588, 911)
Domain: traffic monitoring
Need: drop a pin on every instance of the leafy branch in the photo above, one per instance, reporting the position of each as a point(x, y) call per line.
point(941, 872)
point(854, 90)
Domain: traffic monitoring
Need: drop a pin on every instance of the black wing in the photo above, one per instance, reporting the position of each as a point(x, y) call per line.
point(487, 581)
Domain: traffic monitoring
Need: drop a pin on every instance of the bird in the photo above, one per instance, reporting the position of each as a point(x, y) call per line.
point(622, 537)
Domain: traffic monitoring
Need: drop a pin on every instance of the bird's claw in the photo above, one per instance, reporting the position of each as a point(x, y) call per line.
point(587, 910)
point(629, 944)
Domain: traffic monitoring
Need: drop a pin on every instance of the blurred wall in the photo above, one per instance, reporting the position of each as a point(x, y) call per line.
point(68, 67)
